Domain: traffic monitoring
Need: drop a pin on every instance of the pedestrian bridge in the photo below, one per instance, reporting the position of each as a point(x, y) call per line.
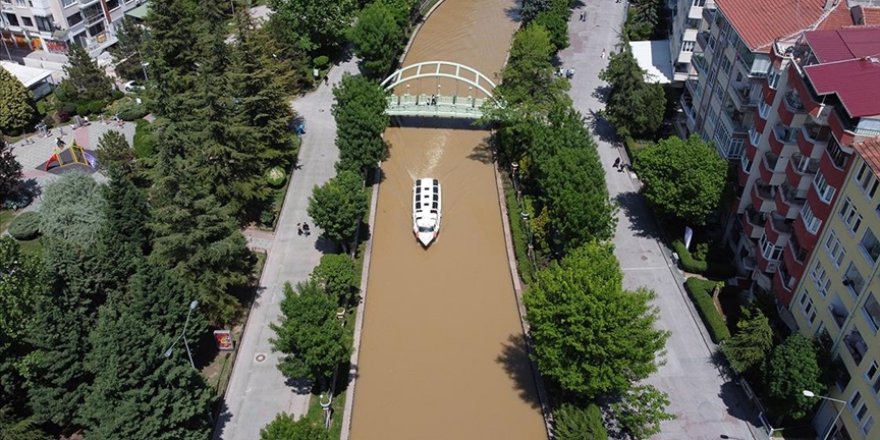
point(454, 104)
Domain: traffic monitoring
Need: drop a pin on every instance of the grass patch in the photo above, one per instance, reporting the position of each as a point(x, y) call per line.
point(31, 247)
point(700, 292)
point(6, 216)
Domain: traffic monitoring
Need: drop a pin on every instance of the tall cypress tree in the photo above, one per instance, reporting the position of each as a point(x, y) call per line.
point(85, 80)
point(17, 109)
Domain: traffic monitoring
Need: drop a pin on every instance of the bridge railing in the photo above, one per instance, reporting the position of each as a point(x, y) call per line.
point(435, 105)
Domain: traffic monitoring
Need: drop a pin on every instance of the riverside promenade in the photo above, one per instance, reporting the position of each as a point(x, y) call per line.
point(707, 405)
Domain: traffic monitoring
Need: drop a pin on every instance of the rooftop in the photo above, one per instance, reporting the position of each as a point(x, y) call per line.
point(844, 44)
point(870, 151)
point(28, 76)
point(760, 22)
point(867, 15)
point(849, 67)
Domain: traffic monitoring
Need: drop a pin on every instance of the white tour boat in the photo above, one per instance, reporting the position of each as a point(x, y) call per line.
point(426, 210)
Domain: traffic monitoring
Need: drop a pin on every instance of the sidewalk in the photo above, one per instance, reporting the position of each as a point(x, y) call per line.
point(257, 390)
point(705, 403)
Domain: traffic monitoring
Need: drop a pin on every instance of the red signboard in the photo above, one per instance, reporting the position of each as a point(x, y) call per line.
point(224, 340)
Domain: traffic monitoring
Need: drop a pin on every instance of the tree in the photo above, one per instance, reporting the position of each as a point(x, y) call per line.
point(792, 367)
point(338, 276)
point(85, 80)
point(285, 428)
point(131, 41)
point(10, 170)
point(531, 8)
point(72, 210)
point(14, 428)
point(377, 38)
point(683, 178)
point(360, 116)
point(23, 279)
point(309, 334)
point(635, 107)
point(573, 423)
point(172, 55)
point(591, 337)
point(641, 410)
point(749, 346)
point(529, 75)
point(115, 156)
point(555, 20)
point(17, 110)
point(338, 206)
point(322, 24)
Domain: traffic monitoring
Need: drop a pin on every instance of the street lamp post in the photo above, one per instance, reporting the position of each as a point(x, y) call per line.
point(192, 306)
point(809, 393)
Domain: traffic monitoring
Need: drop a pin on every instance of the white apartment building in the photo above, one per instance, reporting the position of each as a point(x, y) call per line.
point(687, 18)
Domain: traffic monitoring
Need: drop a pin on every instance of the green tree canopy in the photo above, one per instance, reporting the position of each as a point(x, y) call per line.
point(750, 345)
point(17, 110)
point(321, 24)
point(338, 276)
point(683, 178)
point(635, 107)
point(531, 8)
point(10, 171)
point(641, 410)
point(115, 156)
point(72, 210)
point(338, 206)
point(529, 75)
point(285, 428)
point(360, 116)
point(131, 42)
point(15, 428)
point(377, 37)
point(309, 334)
point(85, 80)
point(574, 423)
point(792, 367)
point(591, 337)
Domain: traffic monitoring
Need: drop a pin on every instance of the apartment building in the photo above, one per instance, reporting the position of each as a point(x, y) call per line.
point(839, 301)
point(50, 25)
point(687, 19)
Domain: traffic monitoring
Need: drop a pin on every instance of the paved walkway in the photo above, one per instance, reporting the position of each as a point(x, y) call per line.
point(257, 391)
point(707, 406)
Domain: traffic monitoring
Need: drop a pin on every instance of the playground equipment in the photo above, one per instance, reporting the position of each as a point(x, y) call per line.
point(74, 155)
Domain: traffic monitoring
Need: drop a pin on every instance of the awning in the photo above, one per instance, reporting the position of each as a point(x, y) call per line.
point(654, 58)
point(139, 12)
point(28, 76)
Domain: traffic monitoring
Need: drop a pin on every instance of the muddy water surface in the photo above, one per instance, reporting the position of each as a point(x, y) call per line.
point(442, 354)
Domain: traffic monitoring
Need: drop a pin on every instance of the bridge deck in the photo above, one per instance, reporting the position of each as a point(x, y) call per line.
point(433, 105)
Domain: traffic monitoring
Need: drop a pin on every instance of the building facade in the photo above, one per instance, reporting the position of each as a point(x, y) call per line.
point(687, 18)
point(51, 25)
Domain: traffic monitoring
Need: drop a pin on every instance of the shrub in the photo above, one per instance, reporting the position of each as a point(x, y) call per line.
point(276, 177)
point(520, 241)
point(95, 107)
point(26, 226)
point(321, 61)
point(144, 141)
point(688, 263)
point(700, 292)
point(132, 114)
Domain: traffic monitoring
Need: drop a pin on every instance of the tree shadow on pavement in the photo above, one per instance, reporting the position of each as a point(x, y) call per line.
point(738, 404)
point(601, 93)
point(641, 218)
point(602, 128)
point(515, 360)
point(222, 416)
point(301, 385)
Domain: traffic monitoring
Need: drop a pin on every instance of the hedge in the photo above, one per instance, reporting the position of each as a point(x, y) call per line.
point(26, 226)
point(720, 269)
point(520, 241)
point(700, 292)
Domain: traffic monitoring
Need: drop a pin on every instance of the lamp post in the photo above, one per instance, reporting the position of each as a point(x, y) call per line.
point(192, 306)
point(809, 393)
point(144, 67)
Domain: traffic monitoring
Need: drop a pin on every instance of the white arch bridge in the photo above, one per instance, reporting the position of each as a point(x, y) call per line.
point(439, 103)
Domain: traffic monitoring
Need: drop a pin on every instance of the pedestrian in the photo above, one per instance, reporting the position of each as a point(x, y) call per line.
point(299, 229)
point(582, 16)
point(617, 163)
point(603, 54)
point(59, 142)
point(306, 229)
point(326, 80)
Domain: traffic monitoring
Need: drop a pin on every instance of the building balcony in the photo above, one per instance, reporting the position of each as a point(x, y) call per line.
point(771, 169)
point(794, 256)
point(762, 279)
point(742, 176)
point(699, 62)
point(760, 122)
point(806, 239)
point(703, 39)
point(808, 144)
point(766, 265)
point(788, 201)
point(833, 165)
point(783, 286)
point(841, 129)
point(791, 111)
point(743, 97)
point(799, 167)
point(753, 222)
point(777, 230)
point(763, 197)
point(856, 346)
point(796, 82)
point(687, 107)
point(708, 14)
point(735, 120)
point(768, 93)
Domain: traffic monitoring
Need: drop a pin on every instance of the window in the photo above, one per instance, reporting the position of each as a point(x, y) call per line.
point(811, 222)
point(700, 3)
point(853, 280)
point(871, 374)
point(745, 163)
point(27, 22)
point(807, 307)
point(763, 109)
point(867, 425)
point(850, 216)
point(838, 156)
point(711, 41)
point(769, 250)
point(855, 400)
point(820, 277)
point(75, 19)
point(867, 181)
point(836, 252)
point(725, 64)
point(773, 78)
point(45, 24)
point(870, 246)
point(871, 313)
point(12, 19)
point(67, 3)
point(823, 189)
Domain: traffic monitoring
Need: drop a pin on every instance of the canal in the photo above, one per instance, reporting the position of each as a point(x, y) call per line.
point(442, 355)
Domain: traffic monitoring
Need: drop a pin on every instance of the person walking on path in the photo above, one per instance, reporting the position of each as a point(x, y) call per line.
point(306, 230)
point(603, 53)
point(299, 229)
point(617, 164)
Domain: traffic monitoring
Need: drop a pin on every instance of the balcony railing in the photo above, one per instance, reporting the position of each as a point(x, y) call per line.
point(791, 194)
point(699, 61)
point(754, 136)
point(764, 191)
point(735, 119)
point(803, 164)
point(793, 102)
point(743, 96)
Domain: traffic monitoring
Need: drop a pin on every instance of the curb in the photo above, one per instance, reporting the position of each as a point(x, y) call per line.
point(543, 398)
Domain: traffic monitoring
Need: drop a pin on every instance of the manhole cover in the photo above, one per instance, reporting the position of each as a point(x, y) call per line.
point(260, 357)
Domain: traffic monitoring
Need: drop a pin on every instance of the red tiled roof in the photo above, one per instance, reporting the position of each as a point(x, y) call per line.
point(870, 14)
point(870, 151)
point(856, 82)
point(844, 44)
point(760, 22)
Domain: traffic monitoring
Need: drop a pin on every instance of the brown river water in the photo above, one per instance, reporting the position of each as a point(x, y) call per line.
point(442, 355)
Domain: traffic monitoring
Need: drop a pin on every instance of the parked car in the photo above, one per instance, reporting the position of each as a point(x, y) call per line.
point(132, 87)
